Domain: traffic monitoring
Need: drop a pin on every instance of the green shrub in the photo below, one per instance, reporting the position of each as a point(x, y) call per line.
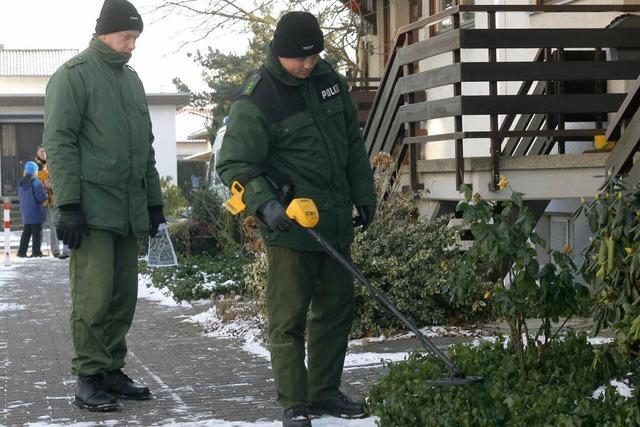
point(612, 261)
point(255, 281)
point(173, 199)
point(556, 394)
point(188, 168)
point(199, 277)
point(409, 260)
point(505, 244)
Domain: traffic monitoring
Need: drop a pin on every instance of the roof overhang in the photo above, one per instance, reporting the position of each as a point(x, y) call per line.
point(204, 156)
point(179, 99)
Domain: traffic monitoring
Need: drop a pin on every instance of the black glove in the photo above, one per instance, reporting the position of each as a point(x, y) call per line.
point(71, 225)
point(273, 215)
point(156, 217)
point(365, 216)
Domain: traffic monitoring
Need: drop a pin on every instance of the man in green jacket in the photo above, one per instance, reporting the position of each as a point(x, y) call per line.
point(97, 133)
point(294, 125)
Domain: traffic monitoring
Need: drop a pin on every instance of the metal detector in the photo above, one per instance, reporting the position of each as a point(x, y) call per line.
point(457, 376)
point(305, 213)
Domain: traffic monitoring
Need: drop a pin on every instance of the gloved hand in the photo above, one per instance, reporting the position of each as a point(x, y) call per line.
point(365, 216)
point(71, 225)
point(273, 215)
point(156, 217)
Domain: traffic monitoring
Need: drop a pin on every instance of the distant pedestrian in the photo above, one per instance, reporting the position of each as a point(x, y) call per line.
point(49, 204)
point(32, 194)
point(97, 131)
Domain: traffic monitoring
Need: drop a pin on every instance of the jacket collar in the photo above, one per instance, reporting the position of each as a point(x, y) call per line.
point(275, 68)
point(108, 55)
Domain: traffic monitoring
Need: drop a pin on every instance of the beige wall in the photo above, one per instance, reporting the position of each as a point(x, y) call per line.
point(24, 85)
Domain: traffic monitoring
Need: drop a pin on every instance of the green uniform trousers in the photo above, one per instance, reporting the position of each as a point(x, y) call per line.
point(104, 290)
point(307, 285)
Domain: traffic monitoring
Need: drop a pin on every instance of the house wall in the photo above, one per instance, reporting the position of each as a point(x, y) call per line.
point(164, 130)
point(25, 85)
point(162, 118)
point(190, 148)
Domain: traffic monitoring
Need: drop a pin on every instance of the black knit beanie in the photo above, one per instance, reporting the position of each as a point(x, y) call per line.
point(118, 15)
point(297, 35)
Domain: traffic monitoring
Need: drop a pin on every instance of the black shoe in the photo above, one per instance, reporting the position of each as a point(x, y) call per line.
point(63, 256)
point(37, 255)
point(119, 384)
point(298, 416)
point(56, 255)
point(21, 255)
point(91, 396)
point(339, 406)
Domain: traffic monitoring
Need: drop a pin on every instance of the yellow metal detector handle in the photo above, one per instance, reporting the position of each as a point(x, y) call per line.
point(235, 205)
point(303, 211)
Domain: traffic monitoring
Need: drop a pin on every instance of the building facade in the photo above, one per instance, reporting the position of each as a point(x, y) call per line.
point(24, 74)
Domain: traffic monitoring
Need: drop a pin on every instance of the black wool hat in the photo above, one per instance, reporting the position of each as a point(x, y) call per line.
point(118, 15)
point(297, 35)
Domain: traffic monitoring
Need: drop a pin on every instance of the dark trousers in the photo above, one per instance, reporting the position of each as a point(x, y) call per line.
point(307, 291)
point(29, 230)
point(104, 289)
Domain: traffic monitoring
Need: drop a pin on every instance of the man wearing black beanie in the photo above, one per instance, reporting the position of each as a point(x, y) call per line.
point(294, 126)
point(97, 133)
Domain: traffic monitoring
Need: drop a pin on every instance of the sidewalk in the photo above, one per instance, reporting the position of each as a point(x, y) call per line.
point(196, 379)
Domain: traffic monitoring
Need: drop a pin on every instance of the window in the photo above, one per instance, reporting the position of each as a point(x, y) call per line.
point(559, 228)
point(436, 6)
point(18, 142)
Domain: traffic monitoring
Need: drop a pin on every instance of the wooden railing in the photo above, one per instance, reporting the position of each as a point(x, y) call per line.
point(533, 119)
point(625, 130)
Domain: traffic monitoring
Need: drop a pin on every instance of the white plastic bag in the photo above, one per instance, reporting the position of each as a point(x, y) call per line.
point(161, 253)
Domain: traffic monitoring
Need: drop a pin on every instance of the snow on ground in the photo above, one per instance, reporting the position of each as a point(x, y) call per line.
point(319, 422)
point(161, 296)
point(249, 331)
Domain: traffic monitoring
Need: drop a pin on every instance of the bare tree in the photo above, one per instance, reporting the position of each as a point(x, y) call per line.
point(341, 26)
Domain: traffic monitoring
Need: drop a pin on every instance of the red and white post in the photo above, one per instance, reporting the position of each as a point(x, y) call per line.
point(7, 231)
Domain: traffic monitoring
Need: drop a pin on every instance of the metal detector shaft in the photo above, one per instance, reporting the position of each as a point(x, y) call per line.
point(382, 299)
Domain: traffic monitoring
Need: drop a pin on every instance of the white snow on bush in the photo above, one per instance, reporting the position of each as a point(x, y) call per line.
point(621, 387)
point(162, 296)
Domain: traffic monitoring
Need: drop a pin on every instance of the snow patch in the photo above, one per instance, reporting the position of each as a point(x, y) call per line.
point(320, 422)
point(621, 387)
point(162, 296)
point(5, 306)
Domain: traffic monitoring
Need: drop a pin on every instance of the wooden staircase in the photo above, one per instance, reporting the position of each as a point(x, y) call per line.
point(625, 129)
point(564, 85)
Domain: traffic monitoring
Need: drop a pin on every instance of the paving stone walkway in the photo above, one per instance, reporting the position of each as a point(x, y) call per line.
point(194, 377)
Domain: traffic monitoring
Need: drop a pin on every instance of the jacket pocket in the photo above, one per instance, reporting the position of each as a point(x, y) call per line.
point(335, 113)
point(104, 177)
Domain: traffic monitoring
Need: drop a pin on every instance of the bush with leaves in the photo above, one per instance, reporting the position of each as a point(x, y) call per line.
point(559, 393)
point(199, 277)
point(612, 261)
point(209, 228)
point(504, 242)
point(173, 199)
point(409, 260)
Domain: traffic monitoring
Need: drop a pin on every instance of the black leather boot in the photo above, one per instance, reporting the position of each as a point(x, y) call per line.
point(119, 384)
point(91, 396)
point(298, 416)
point(340, 406)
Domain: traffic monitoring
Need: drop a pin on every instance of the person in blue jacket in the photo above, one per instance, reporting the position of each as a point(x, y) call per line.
point(32, 194)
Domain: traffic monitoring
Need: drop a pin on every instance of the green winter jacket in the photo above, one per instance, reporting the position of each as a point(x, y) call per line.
point(305, 132)
point(97, 133)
